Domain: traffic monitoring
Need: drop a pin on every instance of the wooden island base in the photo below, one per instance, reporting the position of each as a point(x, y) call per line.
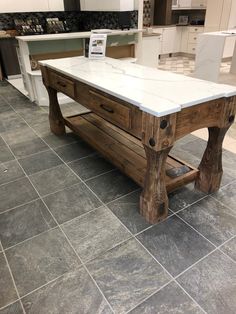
point(139, 143)
point(127, 153)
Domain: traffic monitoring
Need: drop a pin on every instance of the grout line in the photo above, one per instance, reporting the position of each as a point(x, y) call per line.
point(31, 238)
point(101, 174)
point(12, 277)
point(145, 299)
point(214, 198)
point(44, 285)
point(173, 278)
point(10, 209)
point(200, 199)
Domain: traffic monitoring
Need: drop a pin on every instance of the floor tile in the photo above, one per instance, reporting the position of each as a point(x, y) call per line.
point(10, 171)
point(91, 166)
point(24, 222)
point(24, 142)
point(213, 220)
point(20, 192)
point(5, 154)
point(175, 245)
point(73, 293)
point(127, 210)
point(227, 195)
point(40, 260)
point(230, 248)
point(10, 121)
point(127, 274)
point(7, 290)
point(111, 185)
point(14, 308)
point(38, 162)
point(212, 283)
point(55, 141)
point(72, 202)
point(53, 179)
point(74, 151)
point(171, 299)
point(95, 233)
point(229, 163)
point(184, 197)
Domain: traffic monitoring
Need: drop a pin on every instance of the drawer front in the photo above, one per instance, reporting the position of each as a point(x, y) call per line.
point(196, 29)
point(192, 38)
point(192, 48)
point(109, 109)
point(62, 84)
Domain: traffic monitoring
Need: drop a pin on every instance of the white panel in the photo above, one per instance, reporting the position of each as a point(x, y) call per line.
point(56, 5)
point(7, 6)
point(105, 5)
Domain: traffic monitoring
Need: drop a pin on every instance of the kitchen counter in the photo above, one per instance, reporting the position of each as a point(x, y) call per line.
point(74, 35)
point(154, 91)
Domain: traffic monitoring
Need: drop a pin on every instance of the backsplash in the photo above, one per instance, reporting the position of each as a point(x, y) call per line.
point(76, 21)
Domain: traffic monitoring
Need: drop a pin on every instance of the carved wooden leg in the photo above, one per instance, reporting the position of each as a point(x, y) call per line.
point(154, 199)
point(56, 120)
point(211, 171)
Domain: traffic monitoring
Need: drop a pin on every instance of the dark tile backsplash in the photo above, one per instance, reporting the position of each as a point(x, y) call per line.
point(77, 21)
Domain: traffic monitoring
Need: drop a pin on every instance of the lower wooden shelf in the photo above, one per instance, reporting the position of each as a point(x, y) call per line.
point(125, 151)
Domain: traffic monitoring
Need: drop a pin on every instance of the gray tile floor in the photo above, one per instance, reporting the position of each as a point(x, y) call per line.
point(72, 240)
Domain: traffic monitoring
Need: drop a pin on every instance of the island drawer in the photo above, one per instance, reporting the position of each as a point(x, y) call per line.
point(62, 84)
point(109, 109)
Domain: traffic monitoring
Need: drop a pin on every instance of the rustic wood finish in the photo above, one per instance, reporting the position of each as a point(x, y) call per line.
point(139, 143)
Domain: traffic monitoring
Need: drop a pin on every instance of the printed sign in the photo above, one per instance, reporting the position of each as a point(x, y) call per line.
point(97, 46)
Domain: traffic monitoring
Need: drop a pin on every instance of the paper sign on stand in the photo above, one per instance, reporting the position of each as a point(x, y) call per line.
point(97, 46)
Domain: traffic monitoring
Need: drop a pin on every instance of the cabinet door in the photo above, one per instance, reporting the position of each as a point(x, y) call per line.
point(184, 40)
point(150, 51)
point(168, 40)
point(56, 5)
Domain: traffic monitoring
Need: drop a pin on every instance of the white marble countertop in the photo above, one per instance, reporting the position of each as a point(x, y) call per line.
point(74, 35)
point(153, 91)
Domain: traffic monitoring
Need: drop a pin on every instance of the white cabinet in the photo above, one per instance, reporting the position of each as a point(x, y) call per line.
point(107, 5)
point(56, 5)
point(168, 40)
point(8, 6)
point(150, 51)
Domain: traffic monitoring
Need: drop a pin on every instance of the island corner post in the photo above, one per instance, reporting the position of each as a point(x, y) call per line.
point(158, 135)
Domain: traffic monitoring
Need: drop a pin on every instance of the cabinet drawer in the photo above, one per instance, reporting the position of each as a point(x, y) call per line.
point(192, 48)
point(62, 84)
point(192, 38)
point(109, 109)
point(196, 29)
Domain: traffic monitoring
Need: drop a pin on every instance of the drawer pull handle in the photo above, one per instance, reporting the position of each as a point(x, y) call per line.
point(104, 107)
point(61, 84)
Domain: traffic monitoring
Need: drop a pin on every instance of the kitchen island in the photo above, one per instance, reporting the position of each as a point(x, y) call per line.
point(137, 114)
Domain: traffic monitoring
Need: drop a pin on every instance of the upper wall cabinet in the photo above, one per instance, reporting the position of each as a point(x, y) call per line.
point(107, 5)
point(10, 6)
